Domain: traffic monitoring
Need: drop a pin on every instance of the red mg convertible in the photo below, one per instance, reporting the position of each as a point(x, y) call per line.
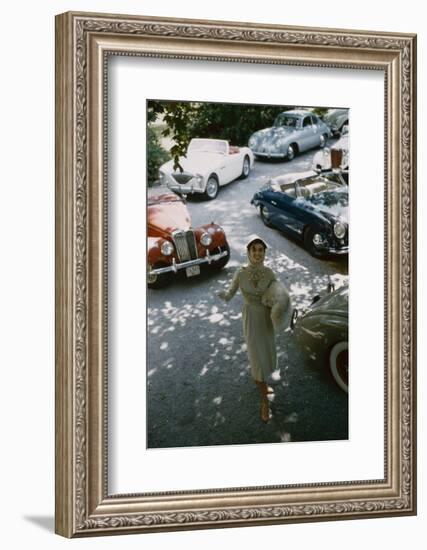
point(174, 246)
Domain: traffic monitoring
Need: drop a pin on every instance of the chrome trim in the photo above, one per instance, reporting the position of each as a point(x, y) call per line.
point(184, 188)
point(343, 250)
point(185, 244)
point(208, 259)
point(269, 155)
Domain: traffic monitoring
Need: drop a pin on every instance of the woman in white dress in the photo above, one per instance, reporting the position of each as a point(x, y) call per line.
point(253, 280)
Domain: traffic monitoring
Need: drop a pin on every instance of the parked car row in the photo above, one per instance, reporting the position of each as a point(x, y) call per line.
point(210, 164)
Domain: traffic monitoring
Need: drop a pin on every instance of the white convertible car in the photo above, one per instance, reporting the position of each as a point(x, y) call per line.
point(208, 164)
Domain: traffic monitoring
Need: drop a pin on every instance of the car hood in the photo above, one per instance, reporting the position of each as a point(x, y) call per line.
point(334, 303)
point(275, 132)
point(165, 214)
point(196, 163)
point(329, 203)
point(333, 116)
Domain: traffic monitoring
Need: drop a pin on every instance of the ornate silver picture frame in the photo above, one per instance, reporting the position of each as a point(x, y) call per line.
point(84, 43)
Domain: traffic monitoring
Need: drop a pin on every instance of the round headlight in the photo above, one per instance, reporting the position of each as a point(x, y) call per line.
point(199, 179)
point(162, 177)
point(167, 248)
point(251, 141)
point(206, 239)
point(339, 230)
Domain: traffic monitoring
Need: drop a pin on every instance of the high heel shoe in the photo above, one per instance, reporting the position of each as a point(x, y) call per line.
point(265, 410)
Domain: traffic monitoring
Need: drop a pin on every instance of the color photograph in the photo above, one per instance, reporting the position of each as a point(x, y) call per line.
point(247, 273)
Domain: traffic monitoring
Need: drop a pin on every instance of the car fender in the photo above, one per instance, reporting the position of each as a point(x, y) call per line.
point(154, 253)
point(245, 151)
point(217, 232)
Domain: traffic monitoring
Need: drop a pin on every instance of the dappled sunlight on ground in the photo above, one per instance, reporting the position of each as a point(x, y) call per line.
point(198, 374)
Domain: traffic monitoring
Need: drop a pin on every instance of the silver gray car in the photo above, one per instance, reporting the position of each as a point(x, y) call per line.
point(292, 132)
point(336, 119)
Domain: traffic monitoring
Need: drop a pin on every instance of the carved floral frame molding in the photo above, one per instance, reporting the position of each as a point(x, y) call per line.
point(83, 44)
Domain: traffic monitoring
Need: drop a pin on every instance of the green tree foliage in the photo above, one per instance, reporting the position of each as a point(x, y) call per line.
point(235, 123)
point(178, 117)
point(156, 155)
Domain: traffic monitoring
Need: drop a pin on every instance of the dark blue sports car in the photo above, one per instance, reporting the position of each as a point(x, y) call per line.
point(309, 206)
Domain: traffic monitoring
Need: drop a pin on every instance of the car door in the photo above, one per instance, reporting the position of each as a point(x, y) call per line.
point(316, 131)
point(291, 216)
point(307, 138)
point(234, 163)
point(282, 208)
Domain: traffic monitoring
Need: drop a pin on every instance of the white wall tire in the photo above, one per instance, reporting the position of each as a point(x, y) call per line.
point(338, 364)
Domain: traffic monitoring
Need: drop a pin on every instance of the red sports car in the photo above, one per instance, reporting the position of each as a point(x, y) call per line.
point(174, 246)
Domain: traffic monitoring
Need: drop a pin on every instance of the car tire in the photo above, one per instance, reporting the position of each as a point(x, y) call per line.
point(323, 141)
point(312, 242)
point(338, 364)
point(212, 187)
point(265, 216)
point(246, 168)
point(291, 152)
point(223, 261)
point(159, 281)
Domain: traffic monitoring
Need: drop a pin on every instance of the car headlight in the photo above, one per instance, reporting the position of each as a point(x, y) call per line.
point(339, 230)
point(206, 239)
point(167, 248)
point(162, 177)
point(251, 141)
point(199, 179)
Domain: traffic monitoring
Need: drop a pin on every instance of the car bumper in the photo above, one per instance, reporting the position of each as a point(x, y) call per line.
point(268, 155)
point(186, 189)
point(175, 267)
point(338, 251)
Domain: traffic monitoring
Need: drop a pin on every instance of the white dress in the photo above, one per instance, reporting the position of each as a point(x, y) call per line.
point(258, 329)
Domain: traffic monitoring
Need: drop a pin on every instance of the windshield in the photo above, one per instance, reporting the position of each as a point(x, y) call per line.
point(286, 120)
point(324, 191)
point(207, 146)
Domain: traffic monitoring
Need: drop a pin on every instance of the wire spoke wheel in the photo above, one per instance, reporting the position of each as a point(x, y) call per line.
point(246, 168)
point(211, 190)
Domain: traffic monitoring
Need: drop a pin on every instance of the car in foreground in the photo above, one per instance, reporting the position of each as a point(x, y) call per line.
point(335, 157)
point(336, 119)
point(309, 206)
point(208, 165)
point(292, 132)
point(322, 333)
point(174, 246)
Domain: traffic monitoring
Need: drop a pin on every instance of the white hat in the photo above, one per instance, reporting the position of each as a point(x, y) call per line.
point(253, 238)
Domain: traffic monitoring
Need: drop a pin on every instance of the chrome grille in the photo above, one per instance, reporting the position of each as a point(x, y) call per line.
point(182, 177)
point(185, 244)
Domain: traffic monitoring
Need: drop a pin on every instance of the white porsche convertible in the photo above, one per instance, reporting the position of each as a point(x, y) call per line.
point(208, 164)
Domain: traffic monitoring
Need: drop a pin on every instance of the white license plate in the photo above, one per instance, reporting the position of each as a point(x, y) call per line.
point(193, 270)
